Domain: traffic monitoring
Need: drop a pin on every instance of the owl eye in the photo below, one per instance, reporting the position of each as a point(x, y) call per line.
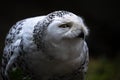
point(68, 25)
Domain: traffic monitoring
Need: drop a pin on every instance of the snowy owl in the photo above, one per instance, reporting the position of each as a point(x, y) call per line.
point(49, 47)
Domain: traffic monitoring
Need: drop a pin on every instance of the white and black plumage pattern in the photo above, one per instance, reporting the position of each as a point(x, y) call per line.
point(50, 47)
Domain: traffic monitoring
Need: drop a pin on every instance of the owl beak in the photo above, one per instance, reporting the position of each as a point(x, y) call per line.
point(81, 35)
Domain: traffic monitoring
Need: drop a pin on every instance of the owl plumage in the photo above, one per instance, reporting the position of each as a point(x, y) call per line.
point(49, 47)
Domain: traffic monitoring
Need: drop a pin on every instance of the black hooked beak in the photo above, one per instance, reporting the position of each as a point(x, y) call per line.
point(81, 35)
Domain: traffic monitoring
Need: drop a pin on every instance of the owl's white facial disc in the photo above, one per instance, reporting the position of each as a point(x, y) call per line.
point(69, 26)
point(65, 36)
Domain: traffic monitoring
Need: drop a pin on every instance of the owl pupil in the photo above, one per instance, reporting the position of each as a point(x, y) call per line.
point(65, 25)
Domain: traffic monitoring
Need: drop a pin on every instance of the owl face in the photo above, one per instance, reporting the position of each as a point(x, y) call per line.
point(69, 26)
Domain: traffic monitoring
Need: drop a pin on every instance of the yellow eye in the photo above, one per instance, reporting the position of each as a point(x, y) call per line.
point(68, 25)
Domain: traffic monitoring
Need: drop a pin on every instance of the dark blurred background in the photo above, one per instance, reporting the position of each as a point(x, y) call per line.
point(101, 16)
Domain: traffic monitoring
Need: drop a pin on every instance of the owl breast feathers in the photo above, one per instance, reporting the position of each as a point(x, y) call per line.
point(49, 47)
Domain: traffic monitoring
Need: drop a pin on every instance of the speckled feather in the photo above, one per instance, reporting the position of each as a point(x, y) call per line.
point(29, 45)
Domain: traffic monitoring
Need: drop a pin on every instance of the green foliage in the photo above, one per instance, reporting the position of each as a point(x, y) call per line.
point(103, 69)
point(18, 75)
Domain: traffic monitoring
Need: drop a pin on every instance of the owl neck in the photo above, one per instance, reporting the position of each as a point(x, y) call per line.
point(65, 50)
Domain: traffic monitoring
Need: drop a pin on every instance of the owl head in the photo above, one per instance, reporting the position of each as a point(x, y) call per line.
point(65, 25)
point(60, 27)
